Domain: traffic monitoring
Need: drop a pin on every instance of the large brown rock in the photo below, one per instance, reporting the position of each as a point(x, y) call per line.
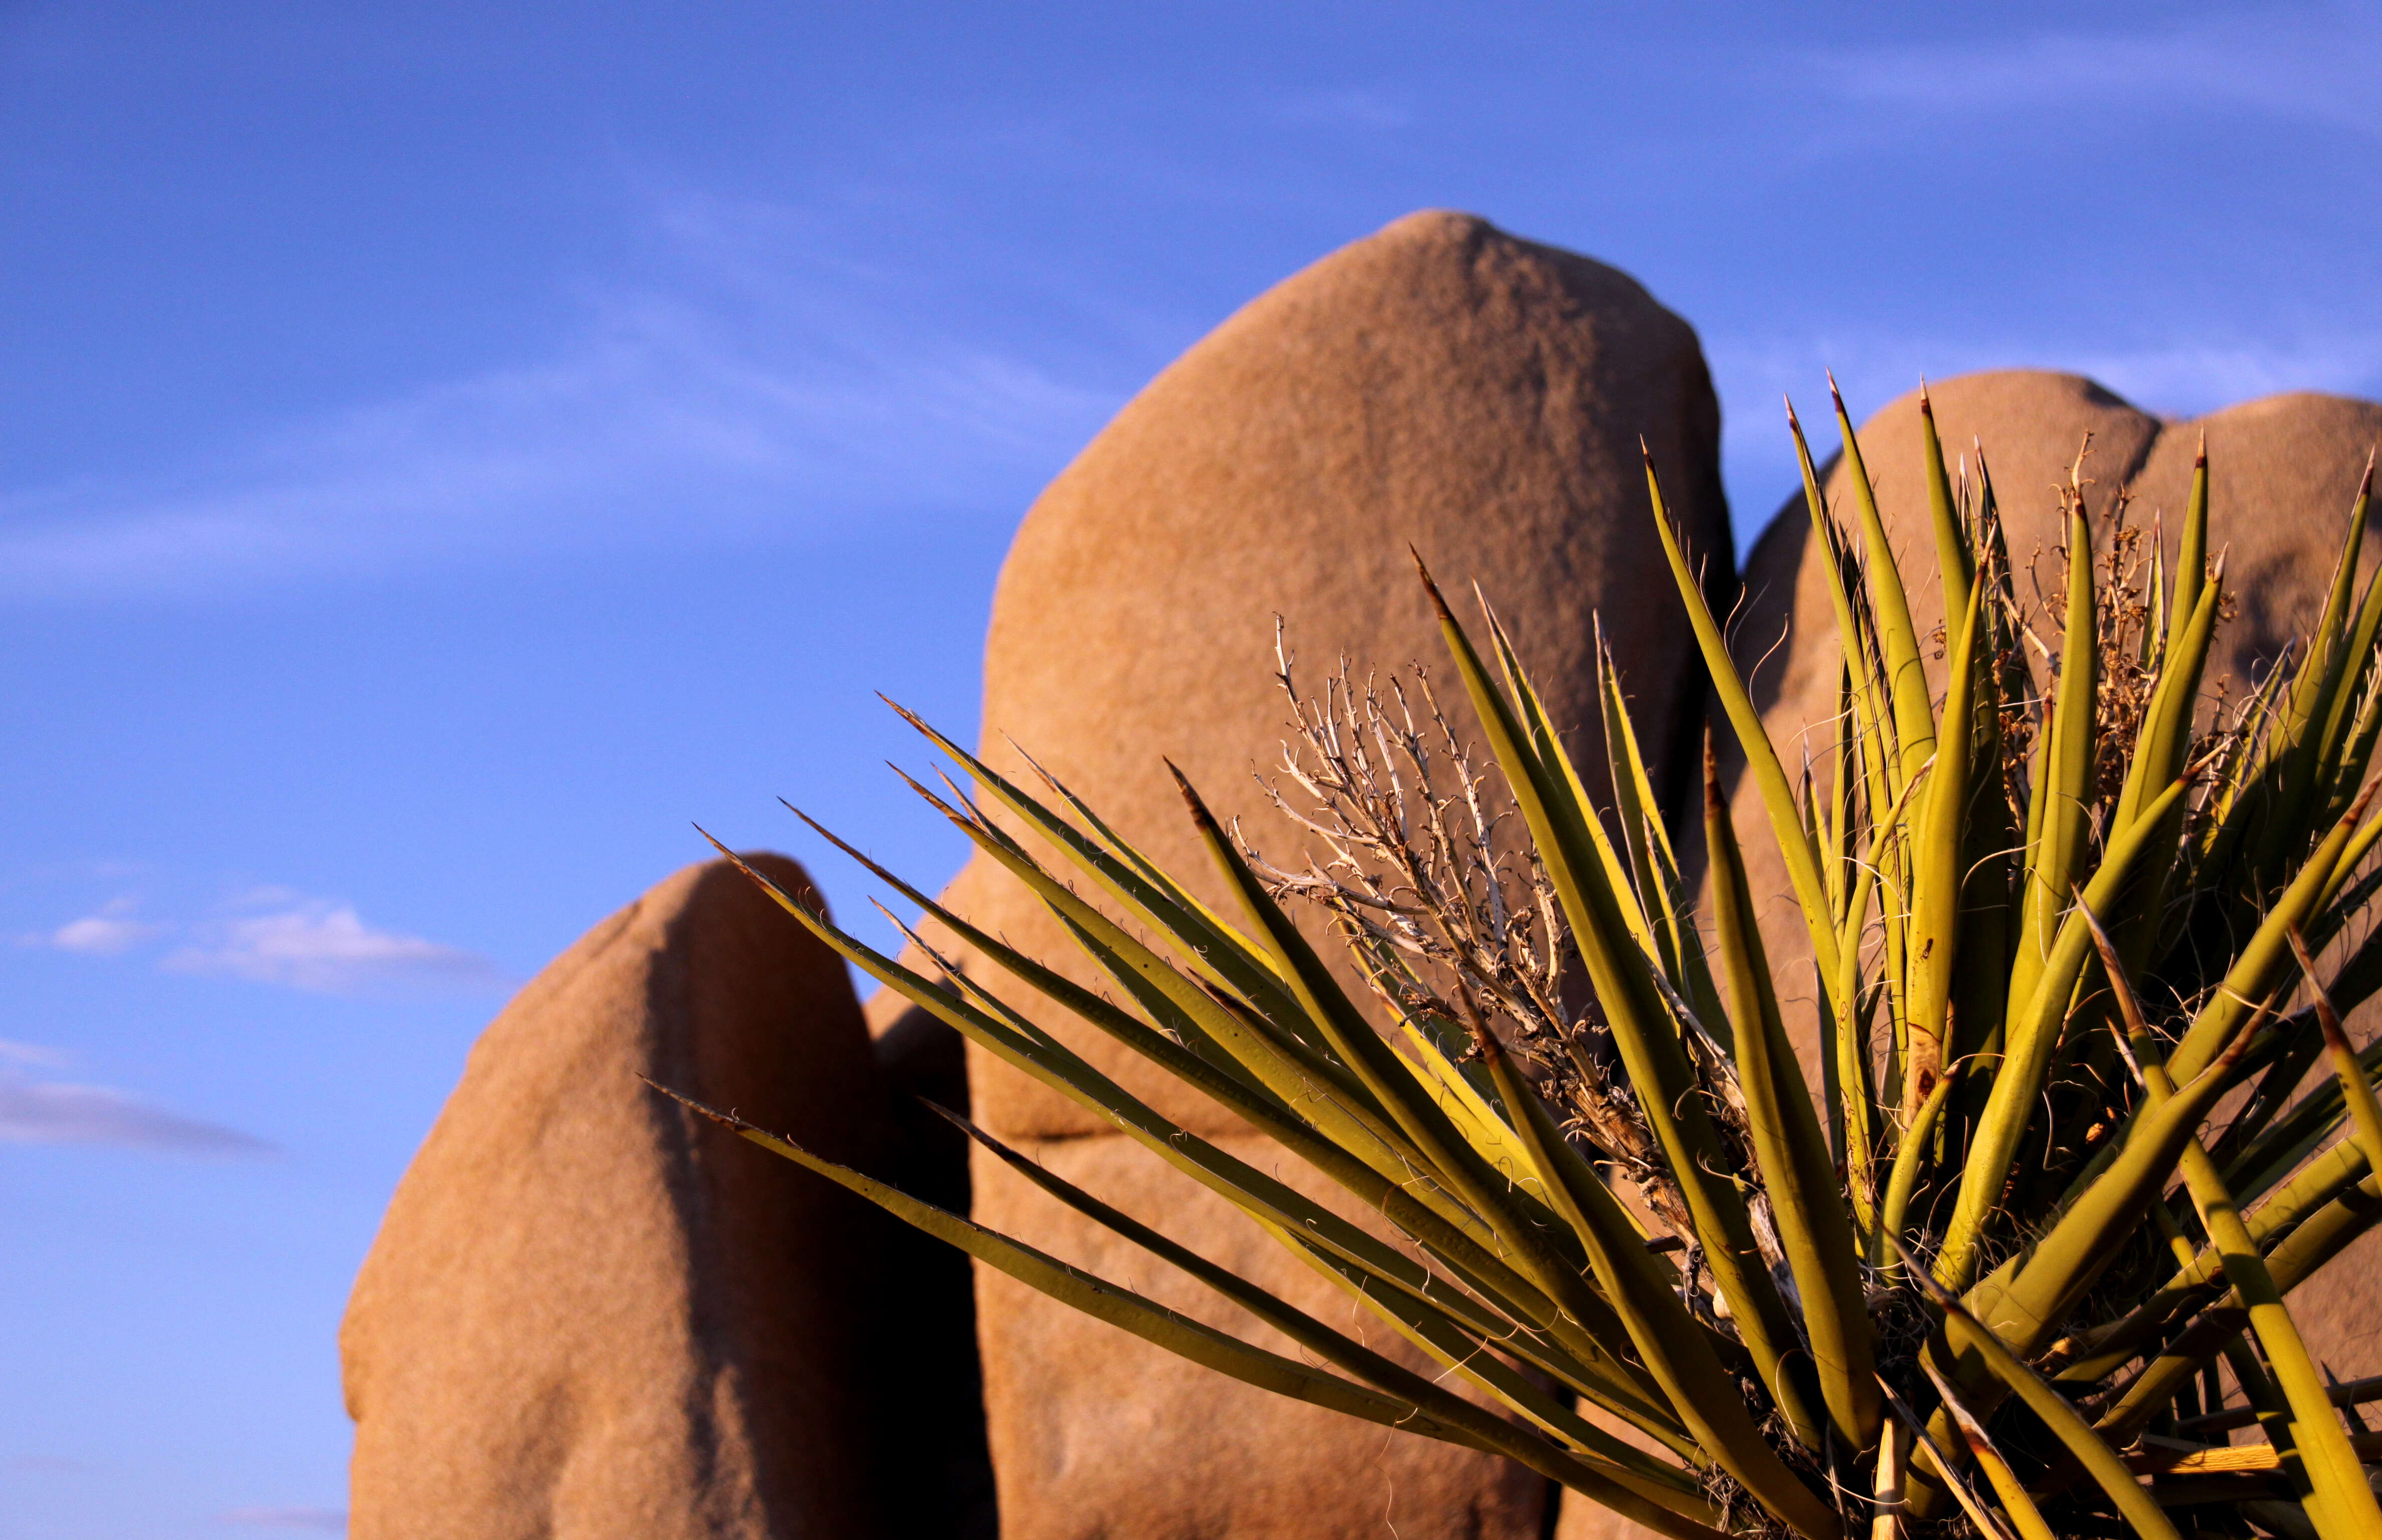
point(590, 1315)
point(1442, 384)
point(1439, 385)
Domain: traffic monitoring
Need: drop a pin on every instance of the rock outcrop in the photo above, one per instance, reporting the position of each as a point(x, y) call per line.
point(1442, 384)
point(590, 1315)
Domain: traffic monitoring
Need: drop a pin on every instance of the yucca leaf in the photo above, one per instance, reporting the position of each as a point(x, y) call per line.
point(2349, 691)
point(2033, 1034)
point(1649, 1044)
point(2356, 756)
point(1927, 1451)
point(1622, 1478)
point(1451, 1159)
point(2165, 740)
point(2055, 844)
point(1863, 1116)
point(1868, 743)
point(1466, 1242)
point(1669, 1341)
point(1953, 561)
point(2278, 1152)
point(2027, 1297)
point(2297, 749)
point(1584, 1365)
point(2017, 1505)
point(1989, 841)
point(1103, 1300)
point(2291, 1191)
point(1463, 1353)
point(2192, 560)
point(2258, 970)
point(2285, 1052)
point(2341, 900)
point(2345, 1506)
point(2236, 780)
point(1910, 1153)
point(1838, 805)
point(1813, 1226)
point(2325, 1234)
point(1224, 1072)
point(1219, 951)
point(1657, 865)
point(2317, 1240)
point(1972, 1338)
point(1279, 1061)
point(2357, 1092)
point(1484, 1364)
point(1455, 1086)
point(1761, 756)
point(1914, 714)
point(2150, 648)
point(1568, 799)
point(1938, 870)
point(2199, 1280)
point(1150, 873)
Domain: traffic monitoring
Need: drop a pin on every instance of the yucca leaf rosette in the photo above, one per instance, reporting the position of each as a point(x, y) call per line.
point(2080, 939)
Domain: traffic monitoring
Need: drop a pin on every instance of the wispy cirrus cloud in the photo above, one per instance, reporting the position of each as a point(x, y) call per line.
point(273, 935)
point(2311, 64)
point(326, 948)
point(35, 1112)
point(108, 931)
point(758, 375)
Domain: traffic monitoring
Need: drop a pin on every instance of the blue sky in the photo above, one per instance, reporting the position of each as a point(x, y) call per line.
point(449, 448)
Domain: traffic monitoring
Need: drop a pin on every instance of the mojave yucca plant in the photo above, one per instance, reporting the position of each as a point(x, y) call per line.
point(2023, 1269)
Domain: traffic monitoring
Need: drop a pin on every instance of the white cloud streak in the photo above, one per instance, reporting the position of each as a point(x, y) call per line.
point(327, 948)
point(38, 1112)
point(106, 933)
point(2311, 64)
point(276, 935)
point(756, 383)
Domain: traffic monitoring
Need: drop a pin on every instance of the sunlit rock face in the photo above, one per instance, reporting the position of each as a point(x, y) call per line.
point(1442, 384)
point(589, 1313)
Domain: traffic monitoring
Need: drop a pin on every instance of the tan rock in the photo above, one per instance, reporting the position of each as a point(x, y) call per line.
point(589, 1313)
point(1441, 383)
point(1582, 1519)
